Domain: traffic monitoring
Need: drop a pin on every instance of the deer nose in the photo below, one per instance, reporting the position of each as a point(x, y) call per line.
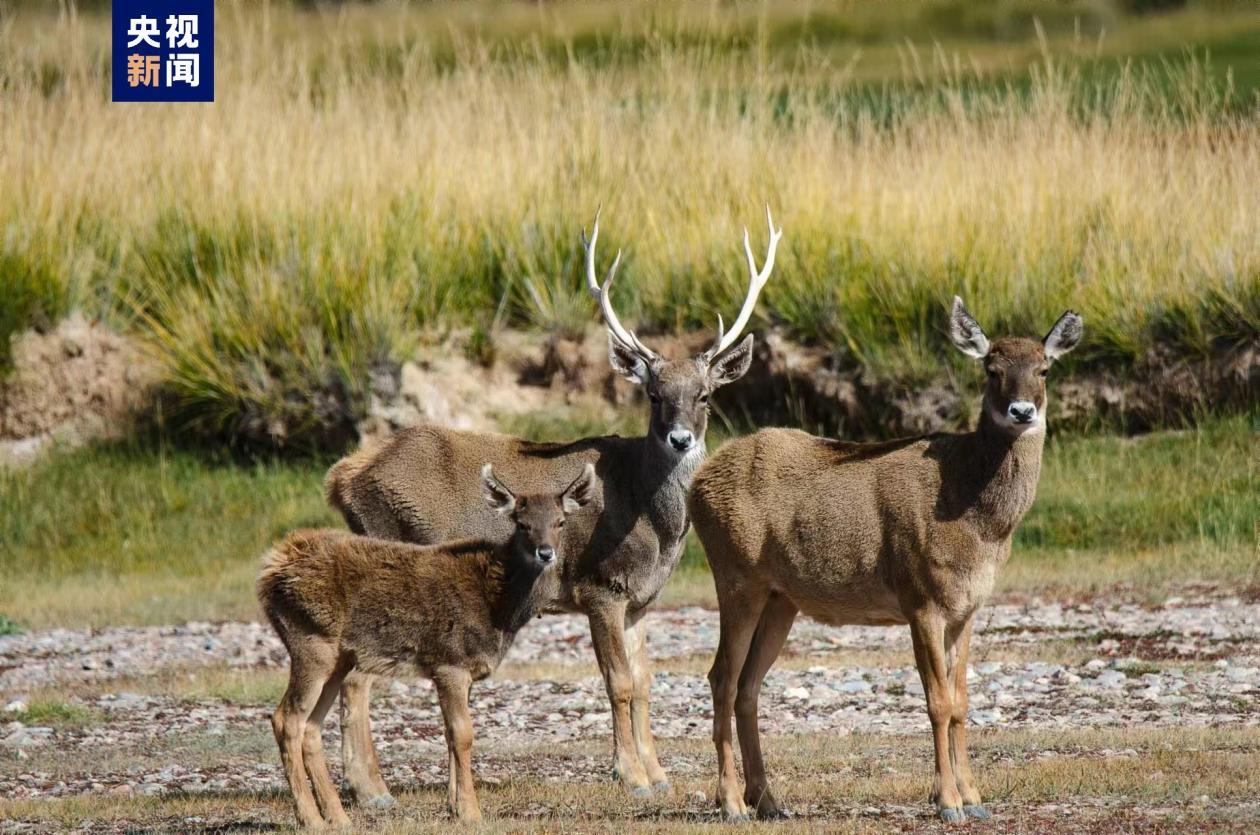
point(1022, 411)
point(681, 439)
point(545, 553)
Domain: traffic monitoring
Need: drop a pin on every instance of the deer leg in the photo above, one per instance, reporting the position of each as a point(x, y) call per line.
point(737, 616)
point(972, 805)
point(640, 715)
point(358, 754)
point(927, 629)
point(308, 671)
point(313, 750)
point(453, 685)
point(772, 631)
point(608, 622)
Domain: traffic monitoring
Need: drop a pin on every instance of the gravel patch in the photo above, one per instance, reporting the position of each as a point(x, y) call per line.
point(1208, 675)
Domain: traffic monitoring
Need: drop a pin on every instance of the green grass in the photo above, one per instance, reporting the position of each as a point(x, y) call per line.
point(8, 626)
point(53, 713)
point(1032, 156)
point(129, 534)
point(121, 533)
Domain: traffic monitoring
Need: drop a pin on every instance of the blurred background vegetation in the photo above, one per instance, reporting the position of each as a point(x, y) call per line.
point(376, 175)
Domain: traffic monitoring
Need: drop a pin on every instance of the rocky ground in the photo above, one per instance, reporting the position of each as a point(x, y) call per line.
point(1192, 661)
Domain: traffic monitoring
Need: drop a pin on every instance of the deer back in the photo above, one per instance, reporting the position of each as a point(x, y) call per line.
point(416, 488)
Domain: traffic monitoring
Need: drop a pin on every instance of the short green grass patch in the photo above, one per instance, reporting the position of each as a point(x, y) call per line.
point(55, 713)
point(135, 534)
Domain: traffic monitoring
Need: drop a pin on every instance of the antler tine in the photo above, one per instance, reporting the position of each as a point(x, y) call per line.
point(756, 280)
point(601, 294)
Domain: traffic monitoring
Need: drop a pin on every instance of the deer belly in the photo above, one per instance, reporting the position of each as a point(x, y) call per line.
point(865, 601)
point(830, 579)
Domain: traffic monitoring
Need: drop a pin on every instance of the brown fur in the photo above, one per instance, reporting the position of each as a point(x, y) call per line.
point(342, 602)
point(909, 531)
point(413, 488)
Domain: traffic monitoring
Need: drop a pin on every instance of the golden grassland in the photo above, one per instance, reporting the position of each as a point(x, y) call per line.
point(370, 175)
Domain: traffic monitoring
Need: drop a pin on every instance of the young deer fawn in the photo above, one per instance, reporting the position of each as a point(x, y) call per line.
point(906, 532)
point(448, 612)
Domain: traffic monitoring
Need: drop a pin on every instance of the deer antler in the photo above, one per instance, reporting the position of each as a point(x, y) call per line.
point(619, 332)
point(757, 280)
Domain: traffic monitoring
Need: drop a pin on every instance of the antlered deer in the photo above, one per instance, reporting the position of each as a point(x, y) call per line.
point(905, 532)
point(449, 612)
point(620, 556)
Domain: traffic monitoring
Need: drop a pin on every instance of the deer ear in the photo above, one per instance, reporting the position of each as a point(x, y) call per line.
point(495, 492)
point(965, 332)
point(733, 364)
point(1064, 335)
point(627, 362)
point(581, 491)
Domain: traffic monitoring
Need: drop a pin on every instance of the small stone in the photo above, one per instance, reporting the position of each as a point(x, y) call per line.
point(1111, 679)
point(796, 693)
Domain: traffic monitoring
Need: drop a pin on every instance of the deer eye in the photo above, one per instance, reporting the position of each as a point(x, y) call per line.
point(1045, 372)
point(560, 524)
point(704, 398)
point(992, 372)
point(654, 397)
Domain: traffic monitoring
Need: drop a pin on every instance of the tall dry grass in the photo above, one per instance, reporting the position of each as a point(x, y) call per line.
point(368, 177)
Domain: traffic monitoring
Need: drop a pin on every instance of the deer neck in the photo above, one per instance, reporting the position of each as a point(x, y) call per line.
point(661, 486)
point(512, 590)
point(1002, 471)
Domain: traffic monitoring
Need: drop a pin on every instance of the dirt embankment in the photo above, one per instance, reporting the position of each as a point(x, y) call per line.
point(802, 385)
point(82, 381)
point(79, 381)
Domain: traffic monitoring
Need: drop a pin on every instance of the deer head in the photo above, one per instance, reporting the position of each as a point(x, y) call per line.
point(1017, 367)
point(679, 390)
point(538, 518)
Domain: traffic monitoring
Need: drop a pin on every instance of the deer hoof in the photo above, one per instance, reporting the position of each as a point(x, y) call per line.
point(951, 815)
point(975, 810)
point(641, 791)
point(661, 787)
point(775, 814)
point(381, 801)
point(737, 817)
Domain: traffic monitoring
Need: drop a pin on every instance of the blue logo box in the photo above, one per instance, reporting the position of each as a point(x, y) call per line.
point(163, 50)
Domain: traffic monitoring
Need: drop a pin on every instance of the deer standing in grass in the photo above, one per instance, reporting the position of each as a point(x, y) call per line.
point(911, 531)
point(449, 612)
point(620, 555)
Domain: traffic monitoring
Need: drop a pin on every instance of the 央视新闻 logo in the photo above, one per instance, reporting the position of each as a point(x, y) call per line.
point(163, 50)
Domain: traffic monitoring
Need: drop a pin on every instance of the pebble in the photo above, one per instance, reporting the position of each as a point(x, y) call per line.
point(1111, 679)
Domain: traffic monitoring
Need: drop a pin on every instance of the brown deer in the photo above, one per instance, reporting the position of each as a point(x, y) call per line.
point(449, 612)
point(620, 556)
point(911, 531)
